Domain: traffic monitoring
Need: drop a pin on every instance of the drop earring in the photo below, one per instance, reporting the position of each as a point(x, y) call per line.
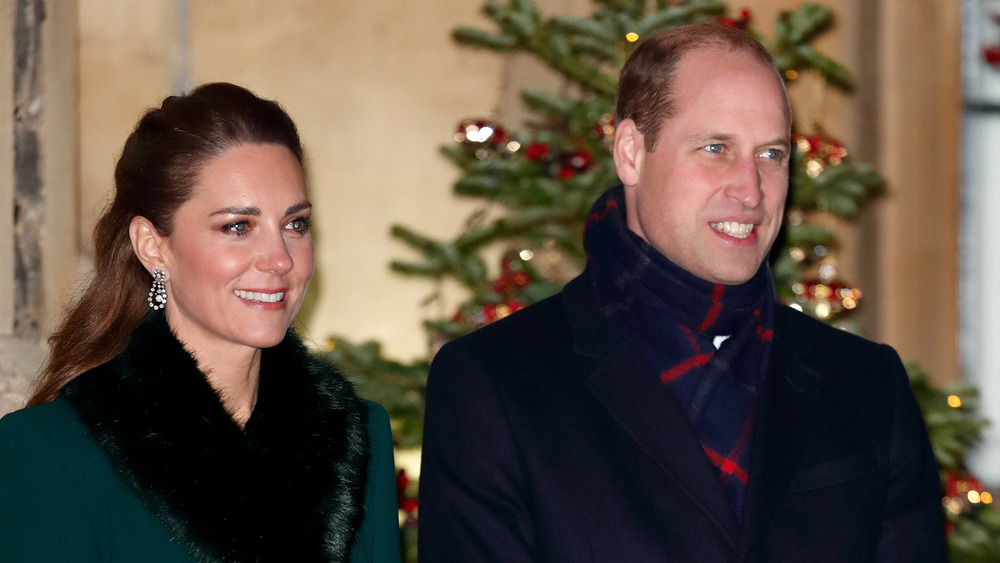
point(158, 293)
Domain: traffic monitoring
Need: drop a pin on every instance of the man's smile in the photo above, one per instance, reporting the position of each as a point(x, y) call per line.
point(733, 229)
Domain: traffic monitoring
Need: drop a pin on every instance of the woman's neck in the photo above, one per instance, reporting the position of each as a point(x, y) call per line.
point(237, 385)
point(234, 373)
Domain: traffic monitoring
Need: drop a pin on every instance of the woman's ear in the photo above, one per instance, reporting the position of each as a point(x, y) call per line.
point(147, 243)
point(628, 151)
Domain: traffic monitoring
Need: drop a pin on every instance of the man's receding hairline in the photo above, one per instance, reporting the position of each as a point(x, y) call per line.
point(716, 43)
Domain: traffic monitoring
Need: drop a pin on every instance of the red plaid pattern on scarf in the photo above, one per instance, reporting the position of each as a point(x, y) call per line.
point(670, 317)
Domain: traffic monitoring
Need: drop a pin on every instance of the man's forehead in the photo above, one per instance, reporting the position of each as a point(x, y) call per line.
point(709, 60)
point(726, 69)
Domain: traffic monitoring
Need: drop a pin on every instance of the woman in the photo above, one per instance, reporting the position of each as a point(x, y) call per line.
point(179, 418)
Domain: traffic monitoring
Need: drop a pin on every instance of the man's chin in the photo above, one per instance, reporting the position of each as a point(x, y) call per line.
point(732, 274)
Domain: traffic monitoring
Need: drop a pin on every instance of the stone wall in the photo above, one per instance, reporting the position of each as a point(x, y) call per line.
point(37, 163)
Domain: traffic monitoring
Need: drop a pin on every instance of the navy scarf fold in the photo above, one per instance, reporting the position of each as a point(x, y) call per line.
point(670, 317)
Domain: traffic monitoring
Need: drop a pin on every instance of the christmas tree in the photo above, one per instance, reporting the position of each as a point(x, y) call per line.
point(536, 186)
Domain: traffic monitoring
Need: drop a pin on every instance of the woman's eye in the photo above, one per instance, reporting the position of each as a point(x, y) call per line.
point(299, 224)
point(237, 227)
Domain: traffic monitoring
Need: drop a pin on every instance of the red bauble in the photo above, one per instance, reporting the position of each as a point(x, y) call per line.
point(573, 164)
point(992, 54)
point(471, 131)
point(742, 23)
point(605, 128)
point(402, 483)
point(565, 173)
point(511, 277)
point(537, 152)
point(497, 311)
point(499, 135)
point(815, 143)
point(513, 280)
point(580, 160)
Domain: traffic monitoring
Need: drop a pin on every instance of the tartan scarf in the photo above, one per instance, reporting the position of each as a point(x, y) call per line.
point(670, 317)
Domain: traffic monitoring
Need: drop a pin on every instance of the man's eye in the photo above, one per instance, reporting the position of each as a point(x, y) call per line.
point(716, 148)
point(772, 154)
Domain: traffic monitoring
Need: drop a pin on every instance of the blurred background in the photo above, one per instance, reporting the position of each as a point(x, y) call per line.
point(377, 87)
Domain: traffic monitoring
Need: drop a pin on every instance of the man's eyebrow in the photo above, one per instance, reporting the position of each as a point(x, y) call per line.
point(782, 141)
point(711, 136)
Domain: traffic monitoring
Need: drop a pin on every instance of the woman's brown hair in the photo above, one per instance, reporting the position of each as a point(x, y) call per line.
point(155, 175)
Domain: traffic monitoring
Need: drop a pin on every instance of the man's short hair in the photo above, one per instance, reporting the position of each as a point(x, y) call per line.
point(645, 86)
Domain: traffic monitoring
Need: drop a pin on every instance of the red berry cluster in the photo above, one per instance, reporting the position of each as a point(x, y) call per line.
point(406, 497)
point(481, 131)
point(564, 165)
point(963, 493)
point(825, 151)
point(512, 279)
point(742, 22)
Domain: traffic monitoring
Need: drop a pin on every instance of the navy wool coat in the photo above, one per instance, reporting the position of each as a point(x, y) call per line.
point(548, 439)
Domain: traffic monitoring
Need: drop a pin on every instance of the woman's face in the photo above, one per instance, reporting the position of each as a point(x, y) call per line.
point(240, 255)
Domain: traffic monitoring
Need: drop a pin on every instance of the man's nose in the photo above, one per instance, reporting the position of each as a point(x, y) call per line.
point(745, 183)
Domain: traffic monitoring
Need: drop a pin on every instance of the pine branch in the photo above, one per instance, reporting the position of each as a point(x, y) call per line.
point(804, 24)
point(794, 30)
point(583, 28)
point(483, 39)
point(674, 16)
point(547, 103)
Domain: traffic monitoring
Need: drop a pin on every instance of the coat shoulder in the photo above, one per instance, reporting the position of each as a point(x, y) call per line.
point(795, 329)
point(56, 482)
point(53, 426)
point(529, 335)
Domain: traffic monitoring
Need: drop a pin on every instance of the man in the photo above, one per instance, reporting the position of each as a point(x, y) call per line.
point(663, 407)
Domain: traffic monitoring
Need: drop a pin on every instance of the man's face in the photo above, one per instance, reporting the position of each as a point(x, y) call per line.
point(710, 197)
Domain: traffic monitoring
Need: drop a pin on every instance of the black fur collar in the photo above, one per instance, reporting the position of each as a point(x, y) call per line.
point(291, 482)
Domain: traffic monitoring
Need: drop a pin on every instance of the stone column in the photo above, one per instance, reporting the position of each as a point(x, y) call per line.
point(38, 132)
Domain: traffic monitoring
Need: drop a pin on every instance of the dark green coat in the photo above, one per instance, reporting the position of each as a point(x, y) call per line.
point(137, 461)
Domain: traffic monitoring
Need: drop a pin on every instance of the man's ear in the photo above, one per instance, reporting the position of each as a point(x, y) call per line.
point(147, 243)
point(629, 151)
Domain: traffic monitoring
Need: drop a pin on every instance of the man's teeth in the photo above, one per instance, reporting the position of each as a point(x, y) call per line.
point(734, 229)
point(257, 296)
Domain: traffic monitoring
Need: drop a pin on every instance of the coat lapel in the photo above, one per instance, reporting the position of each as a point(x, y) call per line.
point(643, 406)
point(784, 421)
